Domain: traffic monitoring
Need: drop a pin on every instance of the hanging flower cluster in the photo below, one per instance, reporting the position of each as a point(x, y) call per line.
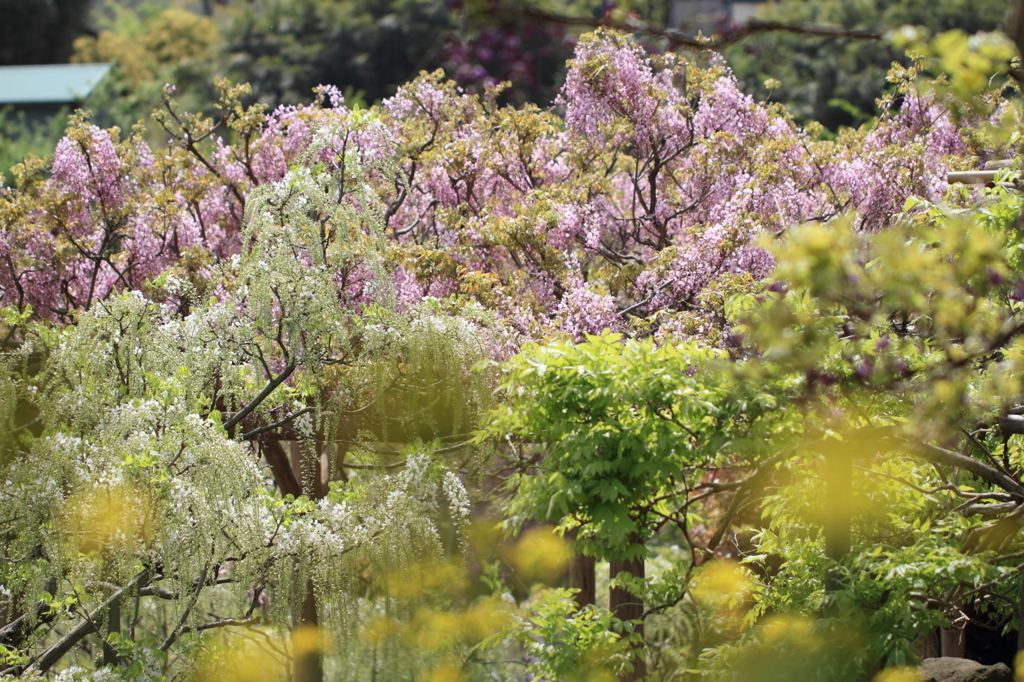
point(661, 177)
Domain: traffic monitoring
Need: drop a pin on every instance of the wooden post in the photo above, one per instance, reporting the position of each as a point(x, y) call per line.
point(627, 606)
point(110, 656)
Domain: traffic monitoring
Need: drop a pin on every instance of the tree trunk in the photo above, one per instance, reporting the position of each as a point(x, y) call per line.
point(284, 474)
point(626, 606)
point(1020, 616)
point(581, 575)
point(308, 662)
point(952, 642)
point(1015, 25)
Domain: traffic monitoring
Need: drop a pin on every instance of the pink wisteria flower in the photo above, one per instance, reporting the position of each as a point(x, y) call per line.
point(661, 178)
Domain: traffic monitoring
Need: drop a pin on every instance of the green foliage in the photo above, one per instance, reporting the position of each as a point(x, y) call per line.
point(922, 305)
point(627, 430)
point(898, 350)
point(137, 467)
point(21, 137)
point(836, 81)
point(8, 410)
point(906, 552)
point(790, 648)
point(572, 644)
point(149, 46)
point(895, 341)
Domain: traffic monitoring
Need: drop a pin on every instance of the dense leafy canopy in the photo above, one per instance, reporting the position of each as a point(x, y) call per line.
point(290, 374)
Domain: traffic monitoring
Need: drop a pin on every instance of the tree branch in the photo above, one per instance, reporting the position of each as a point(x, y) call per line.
point(46, 659)
point(255, 402)
point(15, 632)
point(940, 455)
point(221, 624)
point(1012, 423)
point(270, 427)
point(184, 615)
point(678, 40)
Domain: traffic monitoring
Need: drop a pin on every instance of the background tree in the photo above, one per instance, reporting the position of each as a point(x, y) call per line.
point(285, 49)
point(835, 81)
point(41, 31)
point(148, 47)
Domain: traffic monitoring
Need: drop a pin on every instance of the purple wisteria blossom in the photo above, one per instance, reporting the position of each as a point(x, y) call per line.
point(661, 178)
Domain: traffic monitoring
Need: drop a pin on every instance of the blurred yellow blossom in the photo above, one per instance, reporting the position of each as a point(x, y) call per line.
point(539, 555)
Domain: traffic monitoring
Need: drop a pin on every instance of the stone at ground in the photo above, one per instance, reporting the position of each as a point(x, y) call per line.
point(963, 670)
